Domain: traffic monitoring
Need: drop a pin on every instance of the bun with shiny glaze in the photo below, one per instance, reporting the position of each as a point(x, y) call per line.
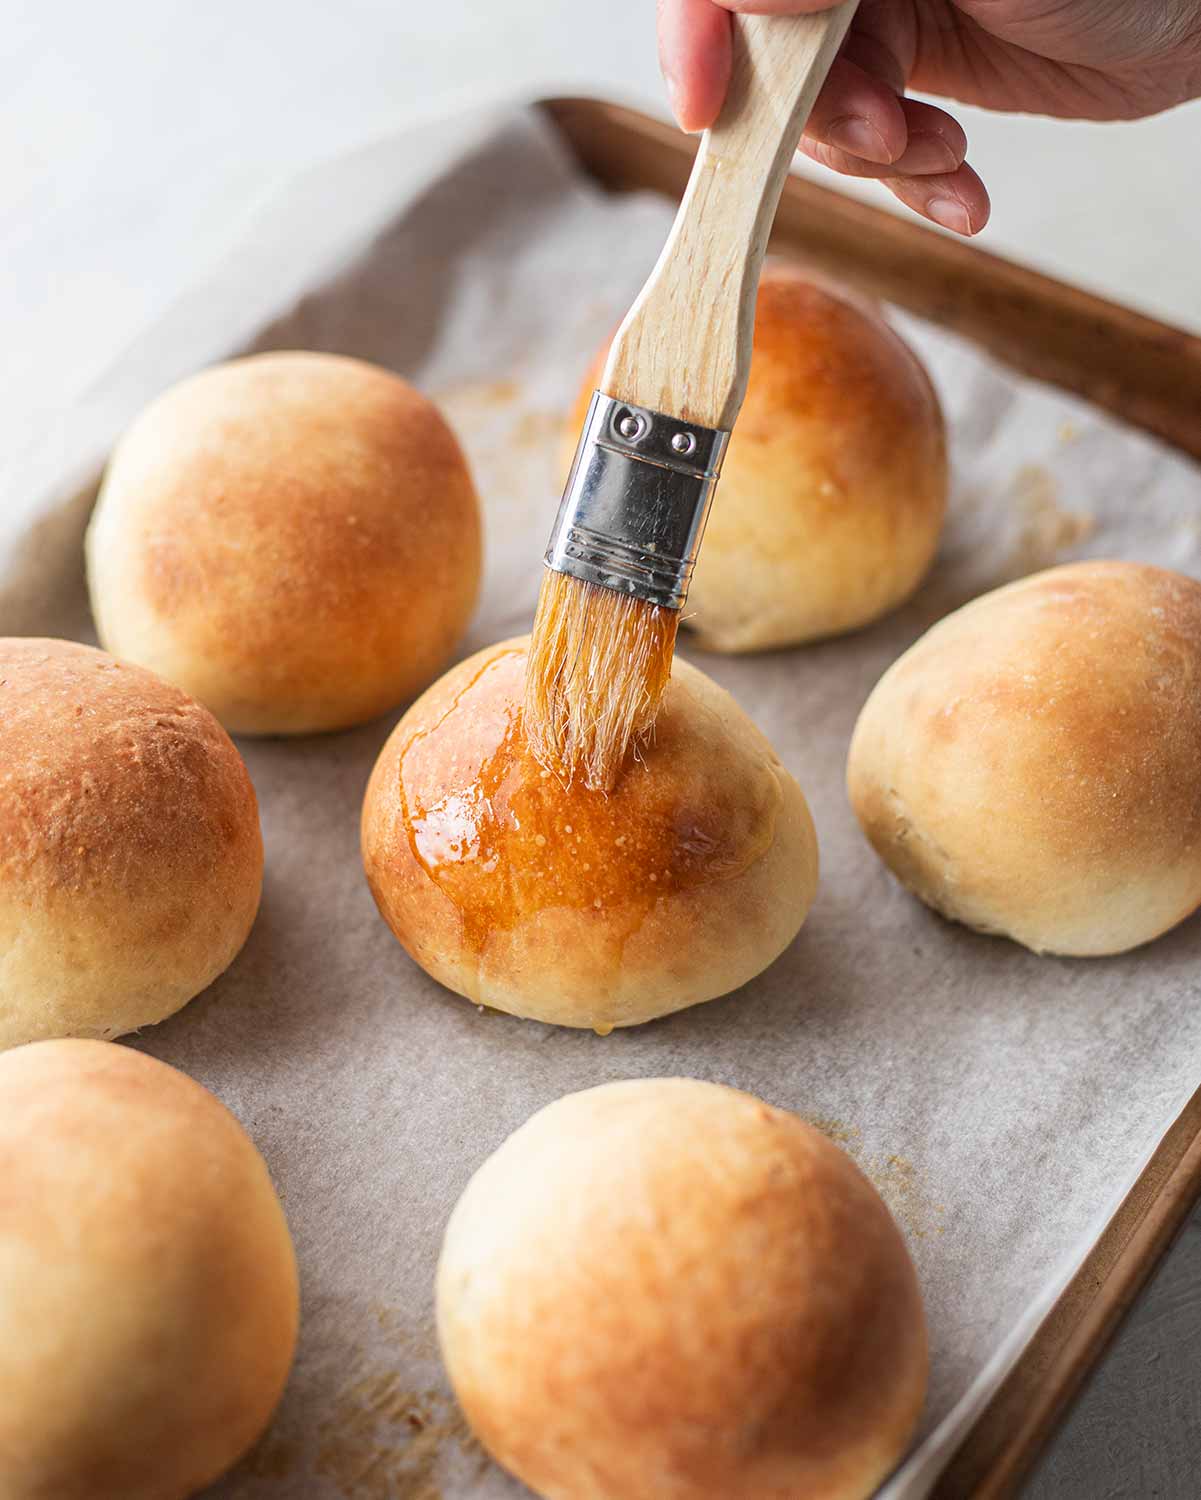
point(568, 905)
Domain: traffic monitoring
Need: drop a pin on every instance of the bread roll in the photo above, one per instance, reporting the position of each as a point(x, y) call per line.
point(130, 854)
point(148, 1298)
point(834, 487)
point(668, 1290)
point(292, 538)
point(1032, 766)
point(567, 905)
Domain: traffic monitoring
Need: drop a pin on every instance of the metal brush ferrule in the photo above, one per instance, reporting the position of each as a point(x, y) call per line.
point(636, 501)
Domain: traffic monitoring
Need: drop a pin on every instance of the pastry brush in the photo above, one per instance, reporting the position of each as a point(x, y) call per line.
point(625, 541)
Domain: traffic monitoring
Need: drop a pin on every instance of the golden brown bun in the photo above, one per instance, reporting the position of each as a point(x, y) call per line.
point(567, 905)
point(668, 1290)
point(834, 487)
point(292, 538)
point(1032, 766)
point(148, 1296)
point(130, 854)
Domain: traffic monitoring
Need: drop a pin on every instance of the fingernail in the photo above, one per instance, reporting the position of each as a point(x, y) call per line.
point(927, 152)
point(673, 95)
point(674, 100)
point(950, 213)
point(859, 137)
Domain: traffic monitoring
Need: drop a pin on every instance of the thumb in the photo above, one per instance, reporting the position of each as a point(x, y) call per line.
point(695, 50)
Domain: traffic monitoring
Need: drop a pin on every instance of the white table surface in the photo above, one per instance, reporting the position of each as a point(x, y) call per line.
point(135, 138)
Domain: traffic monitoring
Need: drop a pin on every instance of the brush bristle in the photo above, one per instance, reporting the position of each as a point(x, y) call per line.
point(598, 664)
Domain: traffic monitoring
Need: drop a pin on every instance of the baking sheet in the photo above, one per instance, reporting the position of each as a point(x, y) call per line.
point(1002, 1103)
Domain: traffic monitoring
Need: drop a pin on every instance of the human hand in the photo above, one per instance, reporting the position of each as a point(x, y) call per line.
point(1079, 59)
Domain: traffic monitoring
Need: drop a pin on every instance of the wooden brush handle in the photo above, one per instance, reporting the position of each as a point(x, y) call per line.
point(685, 346)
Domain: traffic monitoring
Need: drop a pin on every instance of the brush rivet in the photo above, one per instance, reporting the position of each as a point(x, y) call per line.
point(684, 442)
point(630, 427)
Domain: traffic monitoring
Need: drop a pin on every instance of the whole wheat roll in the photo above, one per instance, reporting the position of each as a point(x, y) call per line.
point(1032, 766)
point(292, 538)
point(834, 486)
point(131, 859)
point(668, 1290)
point(567, 905)
point(148, 1301)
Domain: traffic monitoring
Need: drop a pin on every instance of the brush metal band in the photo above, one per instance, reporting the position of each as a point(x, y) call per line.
point(636, 501)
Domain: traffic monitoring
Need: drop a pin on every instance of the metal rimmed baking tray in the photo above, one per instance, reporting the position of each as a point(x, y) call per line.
point(373, 1093)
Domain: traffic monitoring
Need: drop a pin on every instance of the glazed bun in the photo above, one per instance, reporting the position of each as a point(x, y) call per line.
point(292, 538)
point(834, 487)
point(130, 854)
point(148, 1305)
point(668, 1290)
point(1032, 766)
point(567, 905)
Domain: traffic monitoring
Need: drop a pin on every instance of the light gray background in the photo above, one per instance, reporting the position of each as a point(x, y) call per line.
point(135, 137)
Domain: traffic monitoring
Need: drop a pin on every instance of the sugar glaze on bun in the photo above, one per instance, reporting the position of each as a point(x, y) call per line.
point(563, 904)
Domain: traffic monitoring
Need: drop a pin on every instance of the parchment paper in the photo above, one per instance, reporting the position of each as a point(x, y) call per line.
point(1002, 1103)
